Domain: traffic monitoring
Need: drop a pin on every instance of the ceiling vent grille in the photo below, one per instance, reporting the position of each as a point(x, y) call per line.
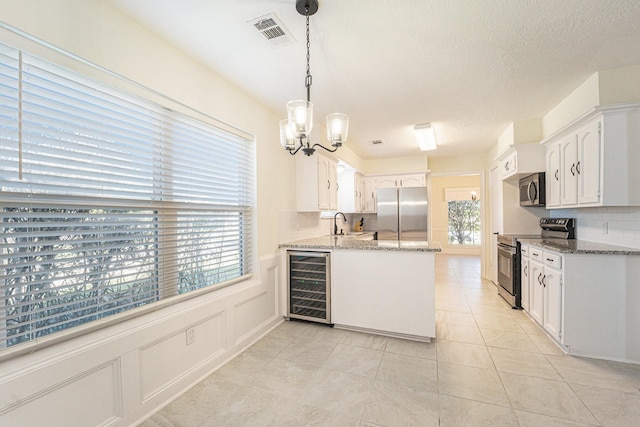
point(272, 30)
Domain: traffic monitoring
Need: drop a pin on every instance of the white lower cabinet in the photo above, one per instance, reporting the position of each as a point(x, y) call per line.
point(545, 291)
point(552, 284)
point(586, 302)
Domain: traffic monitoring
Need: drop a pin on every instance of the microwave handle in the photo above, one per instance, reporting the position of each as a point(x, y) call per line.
point(535, 191)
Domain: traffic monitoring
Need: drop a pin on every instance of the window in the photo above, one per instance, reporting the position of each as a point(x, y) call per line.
point(108, 201)
point(464, 215)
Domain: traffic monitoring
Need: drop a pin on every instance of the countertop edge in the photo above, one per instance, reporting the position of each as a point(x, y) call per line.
point(582, 247)
point(331, 243)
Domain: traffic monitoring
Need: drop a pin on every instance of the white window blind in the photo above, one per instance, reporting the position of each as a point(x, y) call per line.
point(109, 202)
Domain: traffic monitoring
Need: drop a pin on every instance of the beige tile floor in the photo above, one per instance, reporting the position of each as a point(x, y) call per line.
point(490, 366)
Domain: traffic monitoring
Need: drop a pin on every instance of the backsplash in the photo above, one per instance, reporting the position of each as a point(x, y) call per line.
point(301, 225)
point(304, 225)
point(622, 224)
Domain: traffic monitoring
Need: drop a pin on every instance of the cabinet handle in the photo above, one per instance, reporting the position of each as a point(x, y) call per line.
point(539, 279)
point(526, 270)
point(549, 259)
point(543, 279)
point(328, 185)
point(556, 175)
point(578, 167)
point(400, 183)
point(573, 169)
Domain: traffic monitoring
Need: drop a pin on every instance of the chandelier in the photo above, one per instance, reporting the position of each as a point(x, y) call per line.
point(295, 130)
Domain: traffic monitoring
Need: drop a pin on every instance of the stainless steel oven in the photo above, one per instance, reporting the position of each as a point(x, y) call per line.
point(508, 269)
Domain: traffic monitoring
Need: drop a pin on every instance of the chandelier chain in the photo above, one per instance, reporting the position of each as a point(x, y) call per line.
point(307, 81)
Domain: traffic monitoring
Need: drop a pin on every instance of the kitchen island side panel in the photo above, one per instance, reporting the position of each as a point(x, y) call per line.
point(390, 292)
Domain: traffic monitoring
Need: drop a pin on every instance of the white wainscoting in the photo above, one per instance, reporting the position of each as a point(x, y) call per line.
point(120, 375)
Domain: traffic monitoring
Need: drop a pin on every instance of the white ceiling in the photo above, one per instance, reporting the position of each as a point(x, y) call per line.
point(468, 67)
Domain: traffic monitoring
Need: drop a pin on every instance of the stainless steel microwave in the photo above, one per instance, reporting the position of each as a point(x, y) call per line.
point(532, 190)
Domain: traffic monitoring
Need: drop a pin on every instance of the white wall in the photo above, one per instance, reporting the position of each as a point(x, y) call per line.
point(118, 375)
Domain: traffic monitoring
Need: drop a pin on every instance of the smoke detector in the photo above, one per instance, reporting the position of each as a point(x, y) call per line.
point(272, 30)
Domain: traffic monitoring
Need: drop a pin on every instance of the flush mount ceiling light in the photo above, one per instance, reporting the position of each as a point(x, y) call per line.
point(295, 130)
point(425, 136)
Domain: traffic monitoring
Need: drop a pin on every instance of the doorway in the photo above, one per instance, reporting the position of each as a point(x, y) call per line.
point(457, 213)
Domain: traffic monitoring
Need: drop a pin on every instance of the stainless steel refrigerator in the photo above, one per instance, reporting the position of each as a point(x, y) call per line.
point(402, 213)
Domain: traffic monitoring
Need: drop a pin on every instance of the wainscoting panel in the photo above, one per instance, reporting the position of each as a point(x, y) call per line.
point(164, 362)
point(251, 313)
point(58, 404)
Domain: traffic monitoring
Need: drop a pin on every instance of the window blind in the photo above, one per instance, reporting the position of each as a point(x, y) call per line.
point(109, 202)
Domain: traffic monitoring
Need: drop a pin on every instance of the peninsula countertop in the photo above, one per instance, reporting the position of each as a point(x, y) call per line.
point(351, 242)
point(575, 246)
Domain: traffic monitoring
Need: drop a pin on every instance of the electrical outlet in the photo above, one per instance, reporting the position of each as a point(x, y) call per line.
point(605, 227)
point(190, 336)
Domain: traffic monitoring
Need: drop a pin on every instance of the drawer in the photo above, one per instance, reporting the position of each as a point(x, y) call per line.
point(553, 260)
point(535, 253)
point(524, 250)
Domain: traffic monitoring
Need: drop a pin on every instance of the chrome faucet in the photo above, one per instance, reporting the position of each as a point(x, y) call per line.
point(335, 225)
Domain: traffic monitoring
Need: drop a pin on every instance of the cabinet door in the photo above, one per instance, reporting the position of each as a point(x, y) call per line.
point(359, 187)
point(568, 173)
point(414, 180)
point(509, 166)
point(332, 188)
point(524, 283)
point(324, 185)
point(369, 194)
point(386, 182)
point(588, 165)
point(553, 303)
point(553, 175)
point(536, 291)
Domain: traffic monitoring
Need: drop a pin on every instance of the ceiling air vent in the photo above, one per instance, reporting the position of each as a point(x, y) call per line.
point(272, 30)
point(377, 142)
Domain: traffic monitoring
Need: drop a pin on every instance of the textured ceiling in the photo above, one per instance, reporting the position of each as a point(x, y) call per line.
point(468, 67)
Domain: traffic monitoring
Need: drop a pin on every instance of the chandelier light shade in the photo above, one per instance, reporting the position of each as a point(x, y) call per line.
point(425, 136)
point(295, 130)
point(300, 116)
point(337, 128)
point(287, 135)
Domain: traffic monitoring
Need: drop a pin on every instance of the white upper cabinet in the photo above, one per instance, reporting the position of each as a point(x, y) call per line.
point(401, 180)
point(520, 160)
point(594, 161)
point(369, 194)
point(588, 165)
point(552, 175)
point(350, 187)
point(316, 183)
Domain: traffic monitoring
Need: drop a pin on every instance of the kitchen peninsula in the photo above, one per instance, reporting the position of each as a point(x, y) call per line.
point(380, 286)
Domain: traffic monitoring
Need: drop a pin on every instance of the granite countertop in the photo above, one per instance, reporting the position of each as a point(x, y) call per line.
point(351, 242)
point(575, 246)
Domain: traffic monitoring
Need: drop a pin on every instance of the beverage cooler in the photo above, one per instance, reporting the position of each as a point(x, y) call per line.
point(309, 294)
